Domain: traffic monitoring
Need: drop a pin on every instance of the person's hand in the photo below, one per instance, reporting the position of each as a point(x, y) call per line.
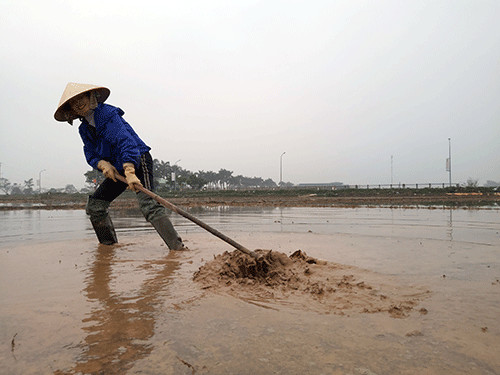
point(132, 179)
point(107, 169)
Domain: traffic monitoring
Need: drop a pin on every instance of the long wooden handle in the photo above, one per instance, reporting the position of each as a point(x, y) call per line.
point(190, 217)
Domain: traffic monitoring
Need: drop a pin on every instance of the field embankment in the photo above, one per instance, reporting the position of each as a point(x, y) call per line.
point(449, 197)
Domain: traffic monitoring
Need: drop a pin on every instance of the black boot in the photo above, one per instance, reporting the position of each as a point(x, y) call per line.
point(104, 230)
point(167, 232)
point(156, 214)
point(97, 209)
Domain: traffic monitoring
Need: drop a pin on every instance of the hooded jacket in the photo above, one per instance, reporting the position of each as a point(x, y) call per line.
point(112, 139)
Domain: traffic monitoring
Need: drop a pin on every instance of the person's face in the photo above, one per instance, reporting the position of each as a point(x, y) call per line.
point(80, 104)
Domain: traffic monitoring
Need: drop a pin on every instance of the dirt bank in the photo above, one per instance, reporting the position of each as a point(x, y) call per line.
point(313, 200)
point(265, 200)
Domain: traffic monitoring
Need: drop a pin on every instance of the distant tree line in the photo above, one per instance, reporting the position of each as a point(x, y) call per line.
point(169, 176)
point(173, 177)
point(28, 188)
point(166, 176)
point(15, 188)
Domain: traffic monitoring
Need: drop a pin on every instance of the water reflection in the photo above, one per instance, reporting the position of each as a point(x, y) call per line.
point(42, 225)
point(121, 323)
point(450, 226)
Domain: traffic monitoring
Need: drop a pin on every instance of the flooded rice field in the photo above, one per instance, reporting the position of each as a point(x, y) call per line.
point(410, 291)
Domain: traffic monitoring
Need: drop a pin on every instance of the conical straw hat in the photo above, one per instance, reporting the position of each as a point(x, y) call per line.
point(63, 113)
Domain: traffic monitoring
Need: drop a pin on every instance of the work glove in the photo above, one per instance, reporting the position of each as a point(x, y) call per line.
point(107, 169)
point(132, 179)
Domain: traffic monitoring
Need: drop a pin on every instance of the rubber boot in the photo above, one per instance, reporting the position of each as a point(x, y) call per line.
point(166, 230)
point(156, 214)
point(97, 209)
point(105, 231)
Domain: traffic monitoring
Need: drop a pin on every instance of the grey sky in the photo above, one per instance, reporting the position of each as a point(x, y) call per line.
point(340, 86)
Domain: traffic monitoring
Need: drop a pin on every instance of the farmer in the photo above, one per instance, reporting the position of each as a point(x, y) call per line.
point(111, 145)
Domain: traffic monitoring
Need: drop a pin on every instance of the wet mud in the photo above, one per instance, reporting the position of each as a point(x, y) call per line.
point(305, 282)
point(419, 297)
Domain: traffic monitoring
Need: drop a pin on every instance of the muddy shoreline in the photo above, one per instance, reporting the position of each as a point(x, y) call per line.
point(309, 200)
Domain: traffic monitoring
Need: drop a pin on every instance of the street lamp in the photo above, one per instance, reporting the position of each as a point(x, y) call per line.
point(40, 181)
point(391, 169)
point(281, 168)
point(449, 158)
point(173, 172)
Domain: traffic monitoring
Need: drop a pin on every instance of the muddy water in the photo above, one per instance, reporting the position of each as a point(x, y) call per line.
point(69, 306)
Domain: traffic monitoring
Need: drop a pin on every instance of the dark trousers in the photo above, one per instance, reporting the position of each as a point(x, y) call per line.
point(155, 213)
point(109, 190)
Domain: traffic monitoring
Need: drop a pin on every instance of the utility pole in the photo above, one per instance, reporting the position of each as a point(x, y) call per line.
point(391, 169)
point(173, 173)
point(281, 168)
point(40, 181)
point(449, 158)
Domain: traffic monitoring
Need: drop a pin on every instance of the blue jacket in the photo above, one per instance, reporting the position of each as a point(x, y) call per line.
point(113, 139)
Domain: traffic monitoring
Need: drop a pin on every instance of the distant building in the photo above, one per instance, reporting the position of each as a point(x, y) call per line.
point(490, 183)
point(321, 185)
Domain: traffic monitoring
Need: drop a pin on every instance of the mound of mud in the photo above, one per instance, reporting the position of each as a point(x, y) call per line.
point(272, 269)
point(302, 281)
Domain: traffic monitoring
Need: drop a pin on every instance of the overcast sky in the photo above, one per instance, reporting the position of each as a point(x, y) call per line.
point(340, 86)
